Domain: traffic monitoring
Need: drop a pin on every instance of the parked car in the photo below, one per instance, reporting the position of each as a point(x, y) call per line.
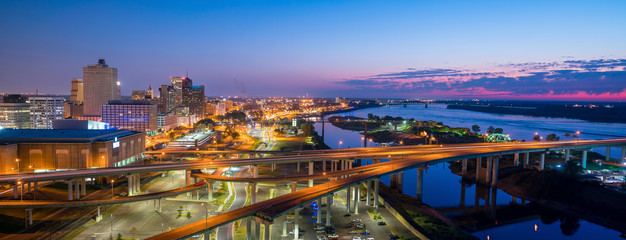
point(381, 223)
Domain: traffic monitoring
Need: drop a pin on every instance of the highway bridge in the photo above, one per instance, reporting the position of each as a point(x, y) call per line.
point(402, 158)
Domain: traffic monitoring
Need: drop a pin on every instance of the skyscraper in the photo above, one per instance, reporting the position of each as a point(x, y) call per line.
point(100, 85)
point(76, 94)
point(177, 84)
point(15, 112)
point(43, 110)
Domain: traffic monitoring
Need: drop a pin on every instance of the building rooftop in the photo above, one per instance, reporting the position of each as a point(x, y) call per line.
point(61, 135)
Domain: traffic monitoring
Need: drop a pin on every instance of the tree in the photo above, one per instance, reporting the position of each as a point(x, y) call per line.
point(475, 128)
point(572, 169)
point(552, 137)
point(569, 225)
point(307, 129)
point(490, 129)
point(536, 138)
point(498, 130)
point(370, 116)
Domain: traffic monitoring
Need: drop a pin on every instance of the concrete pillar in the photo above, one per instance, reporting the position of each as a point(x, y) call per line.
point(319, 210)
point(29, 213)
point(516, 159)
point(273, 166)
point(257, 230)
point(462, 204)
point(15, 191)
point(138, 184)
point(348, 198)
point(623, 159)
point(400, 181)
point(70, 195)
point(489, 169)
point(284, 226)
point(494, 174)
point(526, 159)
point(293, 186)
point(298, 166)
point(266, 233)
point(376, 182)
point(584, 159)
point(296, 224)
point(420, 184)
point(248, 228)
point(210, 190)
point(84, 188)
point(77, 188)
point(542, 160)
point(28, 188)
point(329, 202)
point(324, 166)
point(607, 157)
point(131, 185)
point(350, 164)
point(369, 193)
point(187, 177)
point(479, 162)
point(311, 168)
point(464, 168)
point(252, 192)
point(357, 199)
point(99, 216)
point(36, 186)
point(567, 154)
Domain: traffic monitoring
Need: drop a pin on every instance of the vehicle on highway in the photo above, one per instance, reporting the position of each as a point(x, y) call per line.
point(321, 237)
point(369, 239)
point(333, 235)
point(381, 223)
point(356, 238)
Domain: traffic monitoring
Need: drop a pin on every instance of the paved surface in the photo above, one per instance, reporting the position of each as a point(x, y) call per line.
point(227, 232)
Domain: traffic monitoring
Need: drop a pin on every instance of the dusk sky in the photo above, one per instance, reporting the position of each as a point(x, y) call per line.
point(557, 50)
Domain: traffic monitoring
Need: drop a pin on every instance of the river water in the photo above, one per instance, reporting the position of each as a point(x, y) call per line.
point(442, 188)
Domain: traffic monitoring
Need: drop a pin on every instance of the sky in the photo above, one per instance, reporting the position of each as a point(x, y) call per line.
point(543, 50)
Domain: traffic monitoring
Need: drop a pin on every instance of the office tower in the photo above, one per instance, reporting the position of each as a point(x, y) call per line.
point(14, 112)
point(167, 98)
point(177, 84)
point(100, 85)
point(76, 94)
point(139, 95)
point(43, 110)
point(136, 115)
point(193, 98)
point(150, 93)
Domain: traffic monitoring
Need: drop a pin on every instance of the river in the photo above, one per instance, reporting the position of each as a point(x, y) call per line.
point(442, 188)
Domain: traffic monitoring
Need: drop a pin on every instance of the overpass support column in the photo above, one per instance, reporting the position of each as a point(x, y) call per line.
point(266, 233)
point(84, 187)
point(463, 168)
point(131, 184)
point(623, 159)
point(400, 181)
point(479, 163)
point(252, 192)
point(284, 227)
point(489, 169)
point(420, 184)
point(15, 191)
point(99, 217)
point(137, 183)
point(296, 224)
point(255, 174)
point(526, 159)
point(324, 166)
point(584, 159)
point(257, 230)
point(369, 193)
point(319, 210)
point(567, 155)
point(298, 166)
point(311, 168)
point(273, 167)
point(348, 198)
point(293, 186)
point(607, 157)
point(70, 194)
point(249, 228)
point(209, 187)
point(77, 188)
point(376, 182)
point(516, 159)
point(542, 161)
point(29, 216)
point(187, 177)
point(494, 174)
point(350, 164)
point(357, 199)
point(329, 202)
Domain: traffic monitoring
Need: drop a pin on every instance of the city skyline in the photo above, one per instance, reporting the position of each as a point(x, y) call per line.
point(535, 50)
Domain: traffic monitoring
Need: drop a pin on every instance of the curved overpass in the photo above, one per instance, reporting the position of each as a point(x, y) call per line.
point(271, 209)
point(98, 202)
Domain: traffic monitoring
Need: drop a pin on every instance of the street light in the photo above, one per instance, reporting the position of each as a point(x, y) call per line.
point(31, 167)
point(206, 216)
point(18, 165)
point(21, 192)
point(340, 142)
point(112, 181)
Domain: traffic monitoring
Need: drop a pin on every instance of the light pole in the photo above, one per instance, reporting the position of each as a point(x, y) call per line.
point(111, 225)
point(206, 216)
point(18, 165)
point(112, 181)
point(577, 136)
point(31, 167)
point(19, 183)
point(340, 142)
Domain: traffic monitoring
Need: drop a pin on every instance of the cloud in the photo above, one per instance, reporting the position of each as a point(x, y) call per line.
point(606, 77)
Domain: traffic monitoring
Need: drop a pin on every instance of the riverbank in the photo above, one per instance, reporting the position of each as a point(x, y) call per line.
point(422, 217)
point(553, 190)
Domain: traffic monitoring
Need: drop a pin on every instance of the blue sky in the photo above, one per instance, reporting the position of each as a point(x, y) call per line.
point(291, 48)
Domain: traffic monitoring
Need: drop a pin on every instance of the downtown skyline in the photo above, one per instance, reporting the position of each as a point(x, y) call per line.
point(570, 50)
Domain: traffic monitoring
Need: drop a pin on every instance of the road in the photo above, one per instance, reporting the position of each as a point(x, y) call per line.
point(274, 208)
point(226, 232)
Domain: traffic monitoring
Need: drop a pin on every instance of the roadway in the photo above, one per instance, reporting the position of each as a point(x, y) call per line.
point(354, 153)
point(274, 208)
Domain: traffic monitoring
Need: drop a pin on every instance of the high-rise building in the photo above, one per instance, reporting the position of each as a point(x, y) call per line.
point(43, 110)
point(193, 98)
point(14, 112)
point(100, 86)
point(167, 98)
point(139, 95)
point(177, 84)
point(136, 115)
point(150, 93)
point(76, 94)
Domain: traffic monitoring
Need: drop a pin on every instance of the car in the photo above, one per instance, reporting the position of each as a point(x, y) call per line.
point(357, 220)
point(349, 225)
point(347, 215)
point(333, 235)
point(381, 223)
point(321, 237)
point(360, 225)
point(369, 239)
point(319, 228)
point(393, 237)
point(356, 238)
point(320, 231)
point(353, 232)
